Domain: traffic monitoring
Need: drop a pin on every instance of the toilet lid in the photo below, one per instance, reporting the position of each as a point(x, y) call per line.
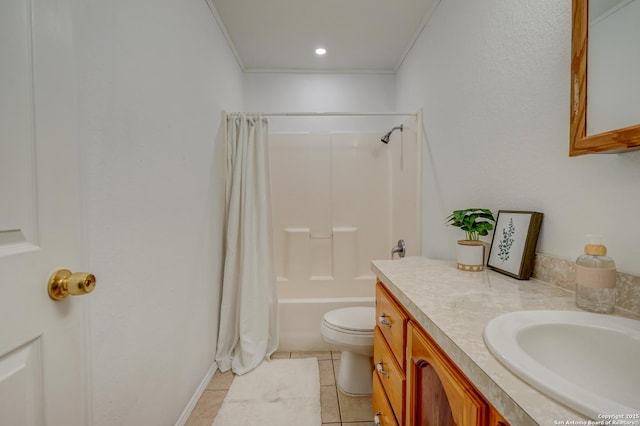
point(353, 318)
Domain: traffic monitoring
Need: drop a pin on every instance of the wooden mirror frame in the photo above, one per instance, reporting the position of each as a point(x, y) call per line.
point(614, 141)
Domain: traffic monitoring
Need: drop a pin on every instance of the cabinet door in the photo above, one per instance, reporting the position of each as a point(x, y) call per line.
point(438, 394)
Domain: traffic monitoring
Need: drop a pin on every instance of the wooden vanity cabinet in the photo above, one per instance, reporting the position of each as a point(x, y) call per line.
point(416, 380)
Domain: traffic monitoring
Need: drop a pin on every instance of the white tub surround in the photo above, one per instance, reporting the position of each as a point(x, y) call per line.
point(454, 307)
point(339, 200)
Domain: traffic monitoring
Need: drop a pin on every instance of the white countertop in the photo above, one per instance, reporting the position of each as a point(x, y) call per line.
point(454, 307)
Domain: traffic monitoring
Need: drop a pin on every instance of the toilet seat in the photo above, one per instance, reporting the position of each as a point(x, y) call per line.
point(353, 320)
point(350, 328)
point(339, 329)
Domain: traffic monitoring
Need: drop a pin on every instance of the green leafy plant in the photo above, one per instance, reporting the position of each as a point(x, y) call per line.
point(474, 222)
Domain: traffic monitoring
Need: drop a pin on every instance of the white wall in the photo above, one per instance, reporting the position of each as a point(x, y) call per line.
point(302, 92)
point(284, 92)
point(493, 79)
point(153, 79)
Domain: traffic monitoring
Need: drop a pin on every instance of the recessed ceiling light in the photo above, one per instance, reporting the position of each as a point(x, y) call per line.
point(321, 51)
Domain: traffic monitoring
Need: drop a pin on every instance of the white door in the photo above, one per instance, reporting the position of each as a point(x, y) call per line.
point(42, 373)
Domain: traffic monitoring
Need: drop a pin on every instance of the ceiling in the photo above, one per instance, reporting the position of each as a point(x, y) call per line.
point(359, 35)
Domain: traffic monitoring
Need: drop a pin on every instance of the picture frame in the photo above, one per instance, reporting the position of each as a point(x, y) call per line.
point(514, 243)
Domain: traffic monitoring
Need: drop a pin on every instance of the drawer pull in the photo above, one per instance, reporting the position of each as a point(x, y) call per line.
point(376, 419)
point(382, 320)
point(381, 370)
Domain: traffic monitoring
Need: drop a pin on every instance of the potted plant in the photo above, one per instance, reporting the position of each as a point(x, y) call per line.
point(475, 223)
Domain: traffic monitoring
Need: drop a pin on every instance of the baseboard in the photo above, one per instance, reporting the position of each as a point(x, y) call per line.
point(196, 396)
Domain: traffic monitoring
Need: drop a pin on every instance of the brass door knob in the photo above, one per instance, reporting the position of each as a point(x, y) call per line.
point(63, 283)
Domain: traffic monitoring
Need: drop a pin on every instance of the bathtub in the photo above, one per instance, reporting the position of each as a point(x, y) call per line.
point(300, 321)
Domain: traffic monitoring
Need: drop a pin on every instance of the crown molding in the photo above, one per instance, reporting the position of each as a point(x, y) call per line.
point(227, 37)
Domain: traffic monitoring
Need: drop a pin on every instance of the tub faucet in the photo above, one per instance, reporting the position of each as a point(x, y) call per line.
point(400, 249)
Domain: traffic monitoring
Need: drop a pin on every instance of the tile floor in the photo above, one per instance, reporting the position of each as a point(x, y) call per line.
point(337, 409)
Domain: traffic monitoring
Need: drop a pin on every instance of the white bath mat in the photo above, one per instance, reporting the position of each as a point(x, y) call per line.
point(279, 392)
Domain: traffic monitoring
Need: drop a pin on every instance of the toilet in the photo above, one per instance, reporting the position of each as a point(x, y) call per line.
point(351, 331)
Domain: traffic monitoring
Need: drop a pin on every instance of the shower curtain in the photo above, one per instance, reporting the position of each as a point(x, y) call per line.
point(248, 330)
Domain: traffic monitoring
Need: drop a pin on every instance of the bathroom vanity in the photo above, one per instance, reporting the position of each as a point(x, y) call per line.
point(414, 374)
point(428, 343)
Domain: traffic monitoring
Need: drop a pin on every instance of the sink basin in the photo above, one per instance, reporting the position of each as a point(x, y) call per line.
point(589, 362)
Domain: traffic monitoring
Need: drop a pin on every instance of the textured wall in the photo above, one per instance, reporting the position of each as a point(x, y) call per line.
point(318, 92)
point(493, 80)
point(153, 79)
point(292, 92)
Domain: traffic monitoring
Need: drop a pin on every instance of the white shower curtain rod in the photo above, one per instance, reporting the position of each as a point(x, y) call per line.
point(333, 114)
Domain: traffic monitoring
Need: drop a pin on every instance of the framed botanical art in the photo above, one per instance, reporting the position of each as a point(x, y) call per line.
point(514, 243)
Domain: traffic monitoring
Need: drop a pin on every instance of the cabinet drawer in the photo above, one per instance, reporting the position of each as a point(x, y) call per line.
point(381, 408)
point(389, 373)
point(392, 322)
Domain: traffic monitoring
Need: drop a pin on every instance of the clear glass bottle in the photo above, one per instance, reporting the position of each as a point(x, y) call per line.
point(595, 278)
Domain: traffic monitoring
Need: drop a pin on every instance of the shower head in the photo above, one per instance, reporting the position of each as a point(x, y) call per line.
point(385, 138)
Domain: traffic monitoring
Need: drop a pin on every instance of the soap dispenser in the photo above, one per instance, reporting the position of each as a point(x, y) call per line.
point(595, 278)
